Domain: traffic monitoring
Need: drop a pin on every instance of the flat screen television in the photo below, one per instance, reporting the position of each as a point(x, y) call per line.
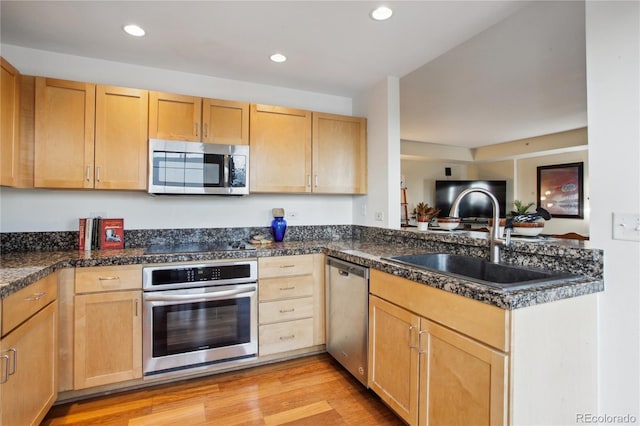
point(475, 205)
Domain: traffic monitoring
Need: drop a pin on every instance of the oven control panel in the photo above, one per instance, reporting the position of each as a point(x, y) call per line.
point(176, 276)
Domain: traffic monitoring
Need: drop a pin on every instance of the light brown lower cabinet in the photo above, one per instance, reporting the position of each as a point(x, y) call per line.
point(107, 326)
point(431, 375)
point(28, 354)
point(437, 358)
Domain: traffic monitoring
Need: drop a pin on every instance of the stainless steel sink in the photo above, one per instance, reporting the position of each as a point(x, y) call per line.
point(498, 275)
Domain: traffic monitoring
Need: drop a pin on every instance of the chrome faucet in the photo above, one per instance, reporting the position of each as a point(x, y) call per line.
point(496, 241)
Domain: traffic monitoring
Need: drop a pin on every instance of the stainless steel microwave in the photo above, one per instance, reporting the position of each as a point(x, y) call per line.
point(177, 167)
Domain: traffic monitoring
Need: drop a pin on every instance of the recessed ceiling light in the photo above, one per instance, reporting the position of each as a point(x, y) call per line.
point(134, 30)
point(381, 13)
point(278, 57)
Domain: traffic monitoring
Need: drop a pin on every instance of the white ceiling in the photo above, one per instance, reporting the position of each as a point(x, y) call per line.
point(523, 77)
point(335, 48)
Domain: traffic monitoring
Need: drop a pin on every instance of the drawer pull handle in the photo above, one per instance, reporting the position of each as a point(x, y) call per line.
point(287, 266)
point(5, 375)
point(286, 311)
point(108, 278)
point(288, 288)
point(289, 337)
point(35, 297)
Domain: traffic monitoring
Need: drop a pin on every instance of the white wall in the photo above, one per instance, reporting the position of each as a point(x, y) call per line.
point(420, 177)
point(613, 92)
point(526, 189)
point(69, 67)
point(381, 104)
point(48, 210)
point(35, 210)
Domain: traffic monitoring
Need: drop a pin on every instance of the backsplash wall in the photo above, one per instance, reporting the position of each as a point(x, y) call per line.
point(37, 210)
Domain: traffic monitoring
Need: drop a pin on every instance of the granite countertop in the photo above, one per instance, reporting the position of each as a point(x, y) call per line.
point(18, 270)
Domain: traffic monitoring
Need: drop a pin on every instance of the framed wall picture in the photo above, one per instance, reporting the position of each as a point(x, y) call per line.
point(561, 190)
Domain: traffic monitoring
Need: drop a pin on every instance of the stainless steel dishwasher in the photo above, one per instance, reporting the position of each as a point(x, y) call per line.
point(347, 306)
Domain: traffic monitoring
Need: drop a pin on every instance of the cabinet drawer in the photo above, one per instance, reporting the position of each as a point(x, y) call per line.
point(285, 336)
point(108, 278)
point(285, 266)
point(285, 288)
point(21, 305)
point(286, 310)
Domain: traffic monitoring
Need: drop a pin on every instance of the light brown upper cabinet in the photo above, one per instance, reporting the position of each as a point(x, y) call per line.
point(190, 118)
point(9, 113)
point(89, 136)
point(64, 138)
point(121, 138)
point(339, 154)
point(280, 149)
point(300, 151)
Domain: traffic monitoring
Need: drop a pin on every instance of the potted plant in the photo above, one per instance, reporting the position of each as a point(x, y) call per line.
point(525, 223)
point(424, 214)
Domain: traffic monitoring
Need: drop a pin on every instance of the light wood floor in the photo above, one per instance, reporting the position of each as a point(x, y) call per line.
point(309, 391)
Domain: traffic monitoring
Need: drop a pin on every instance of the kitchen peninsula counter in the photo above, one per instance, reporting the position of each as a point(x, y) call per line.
point(19, 269)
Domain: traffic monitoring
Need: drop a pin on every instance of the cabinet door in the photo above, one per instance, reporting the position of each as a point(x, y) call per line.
point(339, 154)
point(108, 338)
point(9, 113)
point(32, 352)
point(393, 357)
point(65, 112)
point(174, 117)
point(121, 138)
point(280, 149)
point(461, 381)
point(225, 122)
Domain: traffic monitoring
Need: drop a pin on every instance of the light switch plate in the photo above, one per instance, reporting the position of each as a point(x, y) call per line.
point(626, 226)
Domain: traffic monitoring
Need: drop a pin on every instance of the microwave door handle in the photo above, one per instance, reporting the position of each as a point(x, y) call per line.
point(198, 297)
point(227, 160)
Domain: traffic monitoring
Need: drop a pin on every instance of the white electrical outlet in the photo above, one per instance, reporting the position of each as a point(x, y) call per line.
point(293, 215)
point(626, 226)
point(379, 216)
point(364, 210)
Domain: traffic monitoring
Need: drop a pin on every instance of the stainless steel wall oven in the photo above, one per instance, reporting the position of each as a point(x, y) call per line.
point(199, 314)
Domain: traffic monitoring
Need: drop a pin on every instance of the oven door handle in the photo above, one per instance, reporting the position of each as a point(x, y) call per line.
point(198, 297)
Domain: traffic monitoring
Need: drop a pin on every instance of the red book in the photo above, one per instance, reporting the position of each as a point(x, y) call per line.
point(111, 234)
point(81, 233)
